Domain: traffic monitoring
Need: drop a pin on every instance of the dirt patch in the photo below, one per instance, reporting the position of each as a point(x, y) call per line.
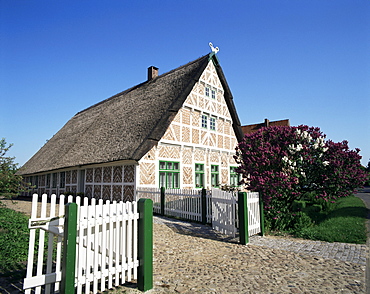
point(24, 205)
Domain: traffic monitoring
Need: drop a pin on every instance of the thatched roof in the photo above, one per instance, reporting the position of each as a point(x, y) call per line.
point(127, 125)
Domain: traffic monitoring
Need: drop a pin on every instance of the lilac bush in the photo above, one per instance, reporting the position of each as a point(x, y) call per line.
point(286, 163)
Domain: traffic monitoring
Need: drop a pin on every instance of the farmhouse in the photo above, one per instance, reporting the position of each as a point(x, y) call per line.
point(176, 130)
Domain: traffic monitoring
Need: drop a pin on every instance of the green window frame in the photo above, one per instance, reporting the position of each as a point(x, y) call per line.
point(234, 177)
point(204, 121)
point(215, 175)
point(199, 175)
point(169, 174)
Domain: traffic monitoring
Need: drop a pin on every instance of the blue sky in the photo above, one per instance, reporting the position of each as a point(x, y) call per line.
point(305, 60)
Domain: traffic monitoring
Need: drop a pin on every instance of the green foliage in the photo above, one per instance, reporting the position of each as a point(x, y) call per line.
point(367, 170)
point(301, 221)
point(14, 236)
point(299, 205)
point(10, 183)
point(313, 209)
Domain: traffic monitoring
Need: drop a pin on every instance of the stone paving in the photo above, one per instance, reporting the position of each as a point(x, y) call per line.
point(191, 258)
point(355, 253)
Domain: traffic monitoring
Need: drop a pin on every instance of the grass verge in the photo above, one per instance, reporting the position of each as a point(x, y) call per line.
point(14, 236)
point(344, 222)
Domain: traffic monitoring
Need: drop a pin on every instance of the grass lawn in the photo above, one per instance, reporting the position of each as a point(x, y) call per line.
point(345, 222)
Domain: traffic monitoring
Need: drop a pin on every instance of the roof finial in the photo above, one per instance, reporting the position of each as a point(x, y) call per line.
point(215, 50)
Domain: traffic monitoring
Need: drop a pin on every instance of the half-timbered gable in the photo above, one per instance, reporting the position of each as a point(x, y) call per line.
point(200, 137)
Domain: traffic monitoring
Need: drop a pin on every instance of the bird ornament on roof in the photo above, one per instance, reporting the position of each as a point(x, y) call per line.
point(214, 49)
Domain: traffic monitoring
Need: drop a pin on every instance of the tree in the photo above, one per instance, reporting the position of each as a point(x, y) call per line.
point(286, 164)
point(367, 169)
point(10, 183)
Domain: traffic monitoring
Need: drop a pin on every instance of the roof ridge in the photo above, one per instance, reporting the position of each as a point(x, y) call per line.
point(141, 84)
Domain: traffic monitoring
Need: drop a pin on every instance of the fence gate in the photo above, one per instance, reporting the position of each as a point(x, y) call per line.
point(52, 224)
point(224, 211)
point(106, 250)
point(254, 217)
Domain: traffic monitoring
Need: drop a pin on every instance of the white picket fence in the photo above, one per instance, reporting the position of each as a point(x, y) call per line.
point(254, 217)
point(221, 207)
point(150, 193)
point(181, 203)
point(224, 213)
point(106, 245)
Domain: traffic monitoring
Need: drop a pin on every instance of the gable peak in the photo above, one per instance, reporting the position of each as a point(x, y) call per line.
point(214, 49)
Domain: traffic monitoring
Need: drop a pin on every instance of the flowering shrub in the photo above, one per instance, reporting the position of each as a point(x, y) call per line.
point(286, 163)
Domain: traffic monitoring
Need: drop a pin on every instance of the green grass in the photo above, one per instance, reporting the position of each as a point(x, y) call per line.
point(14, 236)
point(345, 222)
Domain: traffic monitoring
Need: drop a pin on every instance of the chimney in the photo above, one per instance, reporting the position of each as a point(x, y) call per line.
point(152, 72)
point(267, 122)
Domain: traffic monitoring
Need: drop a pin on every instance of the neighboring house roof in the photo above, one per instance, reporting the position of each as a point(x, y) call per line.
point(249, 129)
point(127, 125)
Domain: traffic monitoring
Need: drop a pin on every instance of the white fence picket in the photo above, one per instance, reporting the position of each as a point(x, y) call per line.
point(58, 264)
point(31, 245)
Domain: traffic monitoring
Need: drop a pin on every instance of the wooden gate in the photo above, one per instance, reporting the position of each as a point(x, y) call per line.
point(224, 215)
point(254, 216)
point(106, 245)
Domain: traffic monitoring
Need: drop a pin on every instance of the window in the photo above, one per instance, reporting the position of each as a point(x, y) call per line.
point(212, 123)
point(199, 175)
point(214, 176)
point(169, 174)
point(62, 182)
point(55, 180)
point(48, 181)
point(213, 94)
point(35, 181)
point(207, 91)
point(204, 121)
point(234, 177)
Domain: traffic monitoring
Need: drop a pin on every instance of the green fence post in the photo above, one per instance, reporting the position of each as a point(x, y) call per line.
point(243, 218)
point(204, 206)
point(145, 245)
point(69, 249)
point(163, 199)
point(262, 216)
